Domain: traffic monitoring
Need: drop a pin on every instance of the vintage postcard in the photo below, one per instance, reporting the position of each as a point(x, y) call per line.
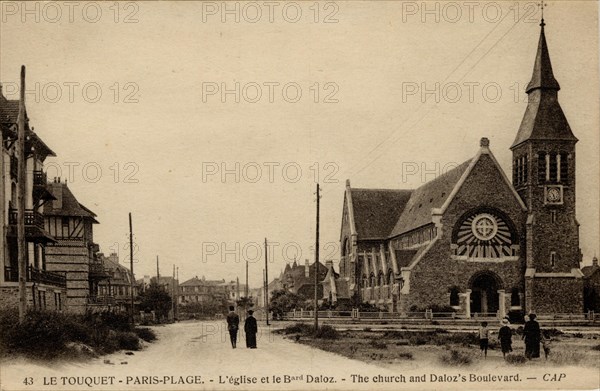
point(299, 195)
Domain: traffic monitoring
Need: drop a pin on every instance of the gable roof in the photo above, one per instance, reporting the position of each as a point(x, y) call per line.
point(376, 211)
point(432, 194)
point(70, 205)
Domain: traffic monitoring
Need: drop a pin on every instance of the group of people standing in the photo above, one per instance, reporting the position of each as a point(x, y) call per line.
point(250, 328)
point(531, 334)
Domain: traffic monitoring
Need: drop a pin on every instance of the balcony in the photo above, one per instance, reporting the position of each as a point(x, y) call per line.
point(36, 275)
point(32, 218)
point(98, 271)
point(39, 178)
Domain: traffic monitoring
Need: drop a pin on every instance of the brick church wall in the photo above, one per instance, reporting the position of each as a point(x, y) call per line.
point(432, 278)
point(556, 295)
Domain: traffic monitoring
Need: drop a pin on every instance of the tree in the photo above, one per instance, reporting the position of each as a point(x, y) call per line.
point(283, 301)
point(156, 299)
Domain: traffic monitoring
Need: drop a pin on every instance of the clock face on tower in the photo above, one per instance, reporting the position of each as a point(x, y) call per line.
point(553, 195)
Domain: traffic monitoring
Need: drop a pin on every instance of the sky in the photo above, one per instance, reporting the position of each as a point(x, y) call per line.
point(211, 123)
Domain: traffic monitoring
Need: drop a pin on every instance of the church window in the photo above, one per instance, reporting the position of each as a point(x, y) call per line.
point(372, 280)
point(553, 214)
point(515, 299)
point(553, 168)
point(553, 258)
point(542, 167)
point(454, 299)
point(564, 168)
point(524, 169)
point(390, 279)
point(484, 233)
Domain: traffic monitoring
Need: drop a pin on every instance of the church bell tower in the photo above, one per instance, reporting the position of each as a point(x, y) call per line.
point(544, 177)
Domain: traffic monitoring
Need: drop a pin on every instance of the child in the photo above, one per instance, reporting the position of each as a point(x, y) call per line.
point(484, 336)
point(546, 343)
point(505, 337)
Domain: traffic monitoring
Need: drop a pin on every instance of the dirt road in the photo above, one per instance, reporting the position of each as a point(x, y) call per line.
point(198, 355)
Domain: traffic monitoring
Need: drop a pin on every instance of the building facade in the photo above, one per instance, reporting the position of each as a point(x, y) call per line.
point(471, 240)
point(73, 250)
point(45, 289)
point(115, 291)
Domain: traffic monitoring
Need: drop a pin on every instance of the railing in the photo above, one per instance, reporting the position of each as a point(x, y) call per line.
point(428, 316)
point(39, 178)
point(101, 300)
point(32, 218)
point(36, 275)
point(14, 163)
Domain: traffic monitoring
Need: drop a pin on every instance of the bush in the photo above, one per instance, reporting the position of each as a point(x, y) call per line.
point(145, 333)
point(128, 340)
point(298, 328)
point(326, 332)
point(597, 347)
point(377, 345)
point(516, 359)
point(50, 335)
point(455, 357)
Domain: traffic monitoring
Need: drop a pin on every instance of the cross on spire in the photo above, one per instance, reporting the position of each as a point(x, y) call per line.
point(542, 5)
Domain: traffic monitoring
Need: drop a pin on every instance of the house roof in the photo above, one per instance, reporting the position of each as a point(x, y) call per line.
point(432, 194)
point(376, 211)
point(70, 206)
point(9, 114)
point(195, 281)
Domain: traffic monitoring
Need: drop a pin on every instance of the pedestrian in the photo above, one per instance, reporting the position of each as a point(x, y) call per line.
point(484, 337)
point(505, 337)
point(532, 336)
point(546, 341)
point(250, 328)
point(233, 324)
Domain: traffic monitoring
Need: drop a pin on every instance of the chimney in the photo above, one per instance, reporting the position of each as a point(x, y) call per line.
point(484, 142)
point(595, 261)
point(306, 268)
point(329, 264)
point(57, 193)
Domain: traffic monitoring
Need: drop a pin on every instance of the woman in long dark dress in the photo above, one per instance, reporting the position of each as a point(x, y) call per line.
point(250, 328)
point(505, 337)
point(532, 336)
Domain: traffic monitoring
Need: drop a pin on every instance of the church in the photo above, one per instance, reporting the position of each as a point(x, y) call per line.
point(475, 240)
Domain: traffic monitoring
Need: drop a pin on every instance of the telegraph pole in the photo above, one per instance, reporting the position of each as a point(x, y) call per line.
point(21, 245)
point(266, 282)
point(157, 273)
point(131, 264)
point(317, 265)
point(173, 293)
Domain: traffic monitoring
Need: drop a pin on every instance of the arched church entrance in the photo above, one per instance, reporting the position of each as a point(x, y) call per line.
point(484, 292)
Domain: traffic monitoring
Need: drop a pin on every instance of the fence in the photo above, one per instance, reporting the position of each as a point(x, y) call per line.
point(356, 315)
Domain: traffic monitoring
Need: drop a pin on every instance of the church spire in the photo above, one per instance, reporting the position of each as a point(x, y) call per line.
point(544, 118)
point(542, 69)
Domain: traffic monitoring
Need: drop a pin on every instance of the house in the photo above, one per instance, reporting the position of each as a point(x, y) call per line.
point(45, 288)
point(115, 292)
point(471, 240)
point(300, 279)
point(591, 286)
point(73, 250)
point(201, 290)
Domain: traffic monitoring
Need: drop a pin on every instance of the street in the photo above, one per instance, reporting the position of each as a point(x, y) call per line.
point(198, 355)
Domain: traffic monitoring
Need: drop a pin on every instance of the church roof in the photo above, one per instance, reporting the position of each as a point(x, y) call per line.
point(432, 194)
point(543, 118)
point(542, 76)
point(376, 211)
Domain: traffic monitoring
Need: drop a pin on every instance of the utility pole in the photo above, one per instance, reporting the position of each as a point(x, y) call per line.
point(246, 288)
point(177, 300)
point(173, 293)
point(317, 265)
point(266, 282)
point(157, 273)
point(21, 245)
point(131, 264)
